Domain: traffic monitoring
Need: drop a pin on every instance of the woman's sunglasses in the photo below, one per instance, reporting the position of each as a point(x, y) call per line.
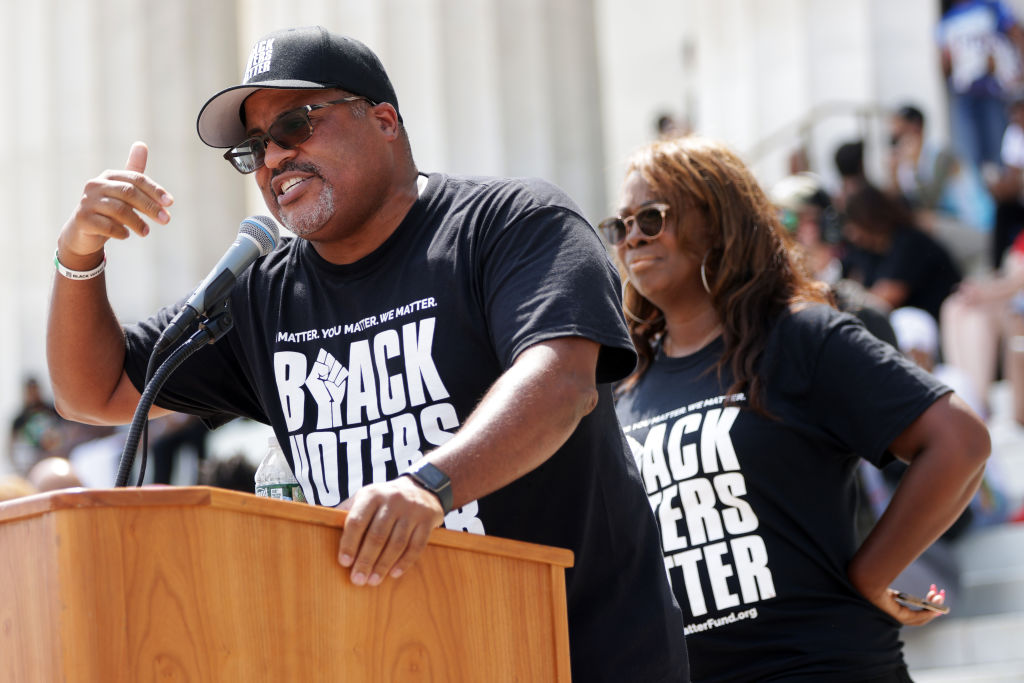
point(288, 131)
point(650, 220)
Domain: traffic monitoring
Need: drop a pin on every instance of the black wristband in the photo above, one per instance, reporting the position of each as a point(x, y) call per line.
point(433, 480)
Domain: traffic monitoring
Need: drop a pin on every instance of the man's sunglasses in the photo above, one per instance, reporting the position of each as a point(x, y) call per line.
point(650, 220)
point(288, 131)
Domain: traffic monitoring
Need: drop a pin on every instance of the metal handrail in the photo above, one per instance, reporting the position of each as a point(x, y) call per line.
point(802, 128)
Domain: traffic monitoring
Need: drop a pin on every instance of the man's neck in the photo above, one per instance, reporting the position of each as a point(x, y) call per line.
point(376, 229)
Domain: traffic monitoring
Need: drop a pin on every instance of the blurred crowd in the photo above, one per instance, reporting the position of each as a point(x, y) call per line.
point(911, 255)
point(45, 452)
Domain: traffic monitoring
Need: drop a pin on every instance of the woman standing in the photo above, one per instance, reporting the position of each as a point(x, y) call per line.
point(752, 403)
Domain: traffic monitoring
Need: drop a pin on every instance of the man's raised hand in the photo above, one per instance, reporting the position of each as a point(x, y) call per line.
point(113, 205)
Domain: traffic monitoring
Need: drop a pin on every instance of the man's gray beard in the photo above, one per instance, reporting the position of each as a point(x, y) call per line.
point(309, 221)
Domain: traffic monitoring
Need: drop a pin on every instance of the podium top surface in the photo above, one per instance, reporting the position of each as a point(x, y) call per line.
point(223, 499)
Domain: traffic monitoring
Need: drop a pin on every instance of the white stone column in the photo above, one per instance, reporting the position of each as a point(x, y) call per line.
point(640, 52)
point(84, 79)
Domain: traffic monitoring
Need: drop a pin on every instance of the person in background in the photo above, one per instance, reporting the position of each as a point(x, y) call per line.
point(894, 260)
point(172, 436)
point(977, 318)
point(752, 404)
point(948, 201)
point(1015, 360)
point(13, 486)
point(798, 161)
point(918, 338)
point(1006, 185)
point(806, 212)
point(980, 44)
point(849, 161)
point(37, 431)
point(668, 126)
point(428, 348)
point(50, 474)
point(918, 170)
point(235, 473)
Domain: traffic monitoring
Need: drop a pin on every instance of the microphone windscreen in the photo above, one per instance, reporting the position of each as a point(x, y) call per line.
point(263, 229)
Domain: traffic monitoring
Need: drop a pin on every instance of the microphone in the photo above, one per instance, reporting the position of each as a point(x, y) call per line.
point(257, 236)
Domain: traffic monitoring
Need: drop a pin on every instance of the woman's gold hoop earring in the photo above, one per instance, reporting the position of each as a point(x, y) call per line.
point(703, 273)
point(630, 314)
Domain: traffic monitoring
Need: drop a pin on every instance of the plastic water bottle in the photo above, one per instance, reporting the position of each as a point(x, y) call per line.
point(274, 478)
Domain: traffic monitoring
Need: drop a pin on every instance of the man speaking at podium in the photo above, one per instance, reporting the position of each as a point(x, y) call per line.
point(429, 349)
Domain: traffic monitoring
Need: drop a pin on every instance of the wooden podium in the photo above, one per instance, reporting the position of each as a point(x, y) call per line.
point(207, 585)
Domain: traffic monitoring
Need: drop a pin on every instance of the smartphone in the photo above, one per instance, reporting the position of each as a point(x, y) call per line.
point(915, 602)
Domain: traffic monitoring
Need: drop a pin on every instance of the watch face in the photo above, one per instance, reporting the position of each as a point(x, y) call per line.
point(435, 481)
point(432, 477)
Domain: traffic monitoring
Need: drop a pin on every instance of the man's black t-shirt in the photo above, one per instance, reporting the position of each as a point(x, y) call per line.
point(363, 368)
point(757, 513)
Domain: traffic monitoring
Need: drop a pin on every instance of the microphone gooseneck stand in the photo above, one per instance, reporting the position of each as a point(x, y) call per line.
point(210, 330)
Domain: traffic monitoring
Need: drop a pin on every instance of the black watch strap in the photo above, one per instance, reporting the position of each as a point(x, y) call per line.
point(433, 480)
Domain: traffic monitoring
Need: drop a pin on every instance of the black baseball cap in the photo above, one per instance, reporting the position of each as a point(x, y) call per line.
point(311, 58)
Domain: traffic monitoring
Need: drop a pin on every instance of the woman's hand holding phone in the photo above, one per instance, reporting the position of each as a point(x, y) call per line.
point(911, 610)
point(914, 602)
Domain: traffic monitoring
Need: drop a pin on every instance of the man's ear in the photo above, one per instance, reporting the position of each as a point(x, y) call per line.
point(386, 117)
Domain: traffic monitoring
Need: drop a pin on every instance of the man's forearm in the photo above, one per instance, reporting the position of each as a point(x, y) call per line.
point(528, 414)
point(85, 346)
point(85, 350)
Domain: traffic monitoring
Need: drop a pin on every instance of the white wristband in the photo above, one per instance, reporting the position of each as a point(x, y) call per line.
point(79, 274)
